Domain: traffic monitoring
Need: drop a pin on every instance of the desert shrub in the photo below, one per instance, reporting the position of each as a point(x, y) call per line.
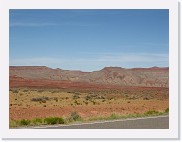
point(112, 98)
point(135, 115)
point(77, 103)
point(43, 101)
point(55, 91)
point(132, 98)
point(76, 97)
point(24, 122)
point(75, 116)
point(25, 90)
point(152, 112)
point(146, 98)
point(40, 91)
point(39, 99)
point(56, 99)
point(93, 95)
point(93, 102)
point(54, 120)
point(76, 93)
point(21, 94)
point(126, 95)
point(100, 97)
point(14, 123)
point(166, 110)
point(114, 116)
point(15, 91)
point(88, 97)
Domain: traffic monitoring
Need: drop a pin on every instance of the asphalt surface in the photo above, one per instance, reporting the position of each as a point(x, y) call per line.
point(158, 122)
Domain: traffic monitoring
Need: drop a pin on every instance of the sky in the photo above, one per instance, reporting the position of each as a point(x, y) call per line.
point(89, 40)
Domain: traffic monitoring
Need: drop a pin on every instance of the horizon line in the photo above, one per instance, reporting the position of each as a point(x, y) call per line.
point(153, 67)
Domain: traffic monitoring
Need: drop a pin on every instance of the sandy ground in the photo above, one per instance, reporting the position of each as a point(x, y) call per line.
point(62, 103)
point(136, 106)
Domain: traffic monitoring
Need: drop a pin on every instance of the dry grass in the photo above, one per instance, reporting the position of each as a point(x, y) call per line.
point(38, 103)
point(74, 117)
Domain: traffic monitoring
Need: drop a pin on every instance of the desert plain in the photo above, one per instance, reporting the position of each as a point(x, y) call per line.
point(42, 92)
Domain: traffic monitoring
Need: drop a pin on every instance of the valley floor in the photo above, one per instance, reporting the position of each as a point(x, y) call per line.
point(88, 103)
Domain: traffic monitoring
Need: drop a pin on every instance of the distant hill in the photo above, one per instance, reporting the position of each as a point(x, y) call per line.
point(144, 77)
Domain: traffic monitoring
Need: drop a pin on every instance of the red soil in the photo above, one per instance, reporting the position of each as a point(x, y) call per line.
point(89, 111)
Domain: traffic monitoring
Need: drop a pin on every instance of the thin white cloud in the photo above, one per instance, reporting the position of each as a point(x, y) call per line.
point(34, 61)
point(131, 57)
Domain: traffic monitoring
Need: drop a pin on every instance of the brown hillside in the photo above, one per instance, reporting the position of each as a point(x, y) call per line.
point(35, 76)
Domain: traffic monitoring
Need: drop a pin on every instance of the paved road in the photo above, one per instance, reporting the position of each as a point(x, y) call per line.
point(158, 122)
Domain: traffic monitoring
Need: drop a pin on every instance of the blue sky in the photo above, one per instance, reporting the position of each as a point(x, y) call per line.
point(89, 40)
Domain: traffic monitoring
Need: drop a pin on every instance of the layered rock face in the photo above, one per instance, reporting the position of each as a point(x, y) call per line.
point(115, 76)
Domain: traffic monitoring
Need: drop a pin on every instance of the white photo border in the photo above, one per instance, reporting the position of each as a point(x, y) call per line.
point(171, 133)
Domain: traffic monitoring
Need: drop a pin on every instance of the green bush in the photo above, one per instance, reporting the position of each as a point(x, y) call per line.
point(114, 116)
point(24, 122)
point(54, 120)
point(152, 112)
point(14, 123)
point(37, 121)
point(167, 110)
